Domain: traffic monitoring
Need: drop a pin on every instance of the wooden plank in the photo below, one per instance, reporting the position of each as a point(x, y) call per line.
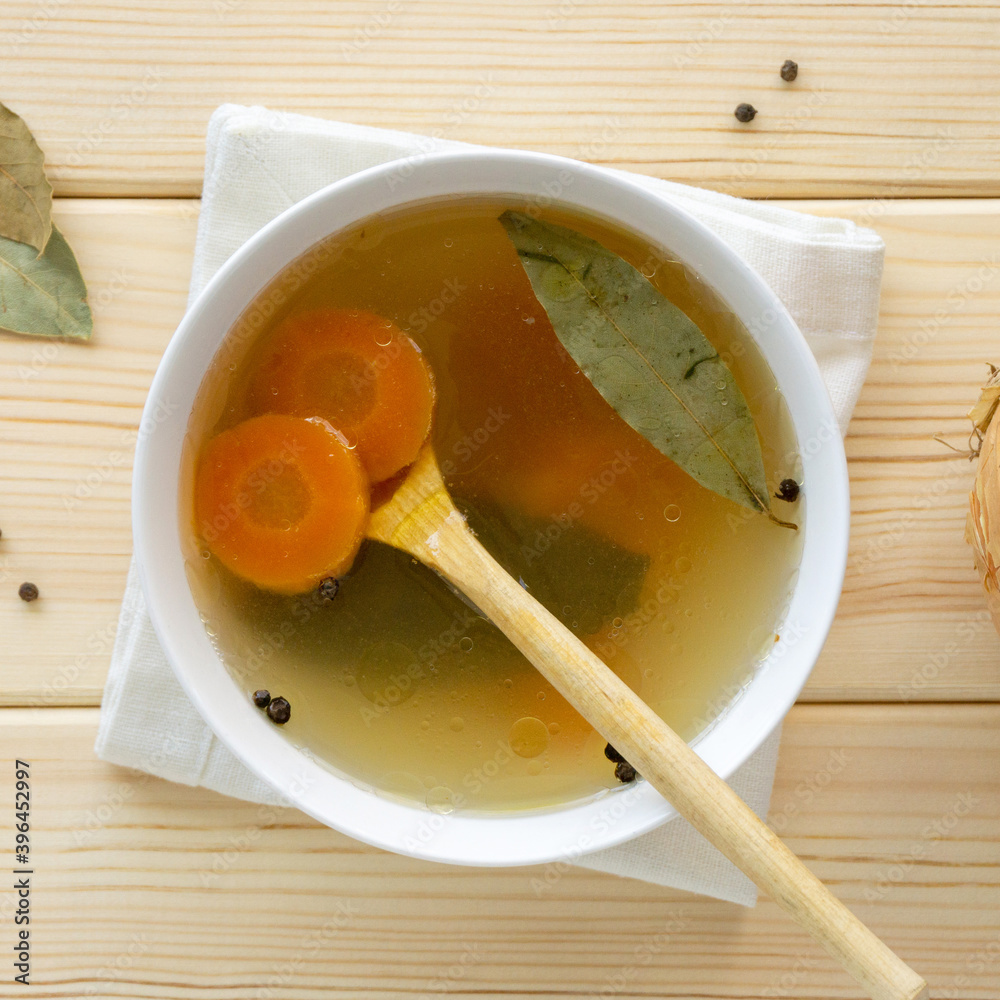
point(909, 626)
point(69, 414)
point(147, 889)
point(893, 98)
point(910, 623)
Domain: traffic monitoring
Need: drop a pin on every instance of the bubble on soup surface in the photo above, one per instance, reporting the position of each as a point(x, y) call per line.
point(528, 737)
point(440, 799)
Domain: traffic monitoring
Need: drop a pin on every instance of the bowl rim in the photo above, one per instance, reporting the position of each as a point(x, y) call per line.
point(505, 839)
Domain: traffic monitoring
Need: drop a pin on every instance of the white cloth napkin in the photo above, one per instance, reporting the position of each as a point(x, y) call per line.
point(260, 162)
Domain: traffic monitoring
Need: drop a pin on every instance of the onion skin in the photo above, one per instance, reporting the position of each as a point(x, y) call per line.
point(984, 508)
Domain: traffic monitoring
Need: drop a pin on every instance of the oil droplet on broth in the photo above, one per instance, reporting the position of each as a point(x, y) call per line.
point(466, 644)
point(457, 724)
point(528, 737)
point(672, 512)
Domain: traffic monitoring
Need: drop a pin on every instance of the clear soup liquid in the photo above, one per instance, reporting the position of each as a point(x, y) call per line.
point(398, 682)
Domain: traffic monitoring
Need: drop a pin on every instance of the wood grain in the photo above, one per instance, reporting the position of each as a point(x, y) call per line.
point(147, 889)
point(910, 624)
point(69, 414)
point(893, 99)
point(911, 617)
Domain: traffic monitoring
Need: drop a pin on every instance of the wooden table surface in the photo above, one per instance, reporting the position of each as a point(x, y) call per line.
point(147, 889)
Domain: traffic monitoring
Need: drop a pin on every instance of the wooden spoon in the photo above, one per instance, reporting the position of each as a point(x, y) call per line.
point(421, 519)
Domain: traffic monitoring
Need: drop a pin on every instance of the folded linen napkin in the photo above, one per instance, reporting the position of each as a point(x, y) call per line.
point(260, 162)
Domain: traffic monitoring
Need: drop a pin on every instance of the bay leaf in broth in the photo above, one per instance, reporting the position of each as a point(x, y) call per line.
point(646, 357)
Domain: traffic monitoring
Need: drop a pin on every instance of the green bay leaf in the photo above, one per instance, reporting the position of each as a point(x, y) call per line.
point(25, 193)
point(646, 358)
point(43, 295)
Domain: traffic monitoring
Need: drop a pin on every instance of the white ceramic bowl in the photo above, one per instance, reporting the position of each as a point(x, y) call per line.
point(514, 838)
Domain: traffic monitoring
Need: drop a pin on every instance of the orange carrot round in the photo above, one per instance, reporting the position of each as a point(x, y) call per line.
point(281, 501)
point(356, 370)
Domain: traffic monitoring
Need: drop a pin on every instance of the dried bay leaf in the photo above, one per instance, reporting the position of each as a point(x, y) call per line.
point(42, 292)
point(43, 295)
point(646, 358)
point(25, 193)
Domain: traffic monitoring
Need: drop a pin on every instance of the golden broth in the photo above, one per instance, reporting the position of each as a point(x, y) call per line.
point(398, 682)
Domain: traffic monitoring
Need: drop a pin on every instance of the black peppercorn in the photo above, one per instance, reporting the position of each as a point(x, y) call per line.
point(745, 112)
point(612, 754)
point(625, 772)
point(27, 592)
point(788, 490)
point(279, 711)
point(789, 70)
point(262, 698)
point(329, 588)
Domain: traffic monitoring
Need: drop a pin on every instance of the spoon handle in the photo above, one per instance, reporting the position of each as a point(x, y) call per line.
point(659, 754)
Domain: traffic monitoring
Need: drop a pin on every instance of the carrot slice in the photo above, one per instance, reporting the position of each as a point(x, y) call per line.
point(356, 370)
point(281, 501)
